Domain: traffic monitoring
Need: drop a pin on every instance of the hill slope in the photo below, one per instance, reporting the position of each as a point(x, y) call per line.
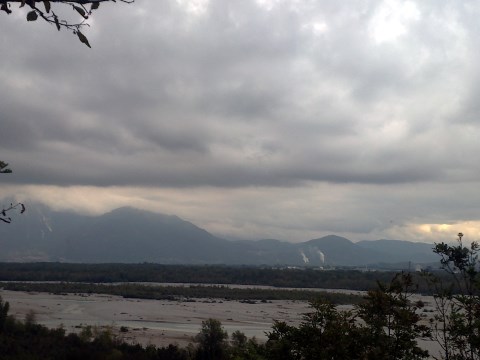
point(132, 235)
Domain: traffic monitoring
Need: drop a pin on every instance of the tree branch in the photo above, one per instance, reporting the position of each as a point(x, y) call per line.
point(83, 2)
point(3, 213)
point(48, 15)
point(4, 168)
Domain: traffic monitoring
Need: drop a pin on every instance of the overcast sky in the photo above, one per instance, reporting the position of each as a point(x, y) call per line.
point(253, 118)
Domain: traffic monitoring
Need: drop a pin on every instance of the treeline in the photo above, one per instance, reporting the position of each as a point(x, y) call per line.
point(182, 293)
point(207, 274)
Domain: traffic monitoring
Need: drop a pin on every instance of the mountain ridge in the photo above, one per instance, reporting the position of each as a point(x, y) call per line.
point(128, 234)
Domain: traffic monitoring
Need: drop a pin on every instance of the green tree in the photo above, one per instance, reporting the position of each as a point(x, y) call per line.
point(243, 348)
point(392, 323)
point(212, 341)
point(47, 10)
point(4, 307)
point(385, 326)
point(456, 326)
point(325, 333)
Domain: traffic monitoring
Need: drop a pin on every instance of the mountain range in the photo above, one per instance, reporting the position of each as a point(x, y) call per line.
point(129, 235)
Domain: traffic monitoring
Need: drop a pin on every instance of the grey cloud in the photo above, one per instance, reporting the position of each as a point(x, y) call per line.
point(237, 97)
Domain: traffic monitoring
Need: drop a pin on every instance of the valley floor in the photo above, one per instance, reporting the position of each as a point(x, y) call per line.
point(162, 322)
point(157, 322)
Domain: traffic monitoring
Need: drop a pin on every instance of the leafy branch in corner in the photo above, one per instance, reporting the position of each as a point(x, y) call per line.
point(4, 168)
point(4, 216)
point(84, 8)
point(3, 213)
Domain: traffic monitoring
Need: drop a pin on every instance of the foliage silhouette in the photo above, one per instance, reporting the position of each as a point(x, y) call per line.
point(82, 10)
point(212, 341)
point(384, 326)
point(4, 169)
point(456, 325)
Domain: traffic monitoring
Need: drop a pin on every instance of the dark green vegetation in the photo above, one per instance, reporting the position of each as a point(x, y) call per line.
point(456, 326)
point(202, 274)
point(182, 292)
point(389, 329)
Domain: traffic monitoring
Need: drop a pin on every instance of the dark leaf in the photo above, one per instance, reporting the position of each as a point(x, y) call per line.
point(23, 209)
point(7, 220)
point(80, 11)
point(46, 3)
point(95, 6)
point(83, 39)
point(32, 16)
point(5, 8)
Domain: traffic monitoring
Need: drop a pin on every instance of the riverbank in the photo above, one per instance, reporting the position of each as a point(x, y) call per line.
point(157, 322)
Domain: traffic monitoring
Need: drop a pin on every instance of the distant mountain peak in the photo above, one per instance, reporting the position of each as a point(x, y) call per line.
point(331, 239)
point(128, 234)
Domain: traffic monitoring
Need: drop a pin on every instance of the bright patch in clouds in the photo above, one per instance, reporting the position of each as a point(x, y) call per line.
point(267, 4)
point(316, 28)
point(392, 20)
point(436, 233)
point(434, 228)
point(195, 7)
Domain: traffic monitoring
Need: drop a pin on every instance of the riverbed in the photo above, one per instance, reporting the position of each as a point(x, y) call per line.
point(164, 322)
point(157, 322)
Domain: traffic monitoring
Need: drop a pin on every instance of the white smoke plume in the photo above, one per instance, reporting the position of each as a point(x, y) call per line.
point(322, 256)
point(305, 258)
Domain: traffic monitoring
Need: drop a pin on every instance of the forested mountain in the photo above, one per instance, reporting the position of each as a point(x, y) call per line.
point(131, 235)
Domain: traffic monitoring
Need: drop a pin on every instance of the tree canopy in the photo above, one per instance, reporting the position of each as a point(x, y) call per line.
point(48, 11)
